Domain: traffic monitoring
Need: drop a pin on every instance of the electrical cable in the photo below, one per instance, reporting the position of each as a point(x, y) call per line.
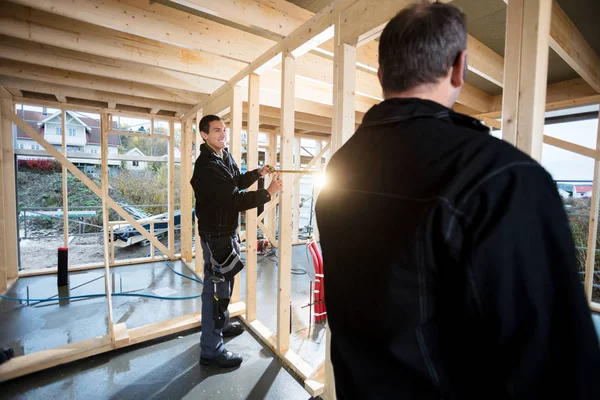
point(95, 295)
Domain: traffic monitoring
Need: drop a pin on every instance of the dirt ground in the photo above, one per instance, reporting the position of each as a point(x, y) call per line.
point(43, 252)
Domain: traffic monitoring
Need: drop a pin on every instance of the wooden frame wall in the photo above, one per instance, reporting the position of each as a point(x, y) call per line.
point(354, 22)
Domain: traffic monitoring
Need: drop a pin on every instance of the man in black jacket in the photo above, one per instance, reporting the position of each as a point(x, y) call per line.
point(218, 188)
point(450, 269)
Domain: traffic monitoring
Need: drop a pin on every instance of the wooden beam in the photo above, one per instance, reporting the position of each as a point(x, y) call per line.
point(171, 189)
point(15, 92)
point(285, 204)
point(87, 181)
point(65, 189)
point(8, 182)
point(186, 191)
point(60, 98)
point(112, 104)
point(530, 59)
point(251, 215)
point(161, 23)
point(236, 151)
point(55, 30)
point(41, 360)
point(343, 88)
point(4, 96)
point(572, 147)
point(571, 46)
point(77, 61)
point(590, 258)
point(86, 81)
point(305, 32)
point(105, 218)
point(484, 62)
point(272, 213)
point(296, 195)
point(90, 94)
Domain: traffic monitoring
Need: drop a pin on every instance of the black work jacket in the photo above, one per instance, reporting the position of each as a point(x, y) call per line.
point(218, 186)
point(450, 269)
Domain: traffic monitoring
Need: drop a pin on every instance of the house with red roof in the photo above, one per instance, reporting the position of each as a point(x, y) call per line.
point(582, 191)
point(83, 136)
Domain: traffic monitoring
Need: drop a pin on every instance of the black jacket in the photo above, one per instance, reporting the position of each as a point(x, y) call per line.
point(450, 269)
point(218, 186)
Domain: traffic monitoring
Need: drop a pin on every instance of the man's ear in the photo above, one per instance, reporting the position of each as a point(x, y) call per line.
point(459, 70)
point(380, 76)
point(204, 135)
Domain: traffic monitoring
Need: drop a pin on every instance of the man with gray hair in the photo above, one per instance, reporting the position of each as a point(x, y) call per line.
point(465, 284)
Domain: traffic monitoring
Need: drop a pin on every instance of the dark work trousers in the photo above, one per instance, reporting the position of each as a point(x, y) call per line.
point(211, 339)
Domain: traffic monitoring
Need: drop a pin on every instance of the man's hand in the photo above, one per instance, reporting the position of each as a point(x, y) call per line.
point(267, 169)
point(275, 186)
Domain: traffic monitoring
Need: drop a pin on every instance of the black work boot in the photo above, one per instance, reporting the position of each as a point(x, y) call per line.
point(233, 329)
point(227, 359)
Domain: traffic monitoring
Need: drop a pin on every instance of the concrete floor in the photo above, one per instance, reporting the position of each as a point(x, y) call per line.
point(169, 368)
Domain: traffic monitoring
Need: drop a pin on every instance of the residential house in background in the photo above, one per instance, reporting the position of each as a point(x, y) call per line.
point(82, 136)
point(135, 165)
point(583, 191)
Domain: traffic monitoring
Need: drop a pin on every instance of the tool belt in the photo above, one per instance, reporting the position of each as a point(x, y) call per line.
point(224, 256)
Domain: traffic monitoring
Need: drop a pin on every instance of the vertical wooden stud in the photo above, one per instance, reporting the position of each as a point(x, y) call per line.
point(528, 63)
point(3, 262)
point(236, 151)
point(105, 220)
point(590, 260)
point(186, 191)
point(8, 183)
point(296, 197)
point(288, 81)
point(272, 220)
point(64, 182)
point(251, 215)
point(171, 193)
point(199, 264)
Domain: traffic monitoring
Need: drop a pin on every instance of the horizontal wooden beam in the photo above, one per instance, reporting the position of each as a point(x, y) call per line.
point(51, 29)
point(308, 30)
point(572, 147)
point(89, 94)
point(161, 23)
point(41, 360)
point(76, 61)
point(92, 82)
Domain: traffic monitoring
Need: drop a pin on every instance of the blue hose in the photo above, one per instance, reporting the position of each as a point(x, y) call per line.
point(86, 296)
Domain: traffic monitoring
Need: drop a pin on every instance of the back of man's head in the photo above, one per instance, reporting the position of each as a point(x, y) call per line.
point(420, 45)
point(204, 124)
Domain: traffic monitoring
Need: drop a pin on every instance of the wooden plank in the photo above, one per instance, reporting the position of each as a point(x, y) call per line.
point(105, 219)
point(512, 71)
point(171, 190)
point(199, 260)
point(305, 32)
point(236, 108)
point(186, 191)
point(343, 88)
point(285, 204)
point(65, 189)
point(251, 215)
point(318, 187)
point(568, 42)
point(296, 195)
point(51, 29)
point(49, 87)
point(160, 23)
point(10, 196)
point(289, 357)
point(77, 61)
point(273, 161)
point(590, 258)
point(174, 325)
point(87, 181)
point(85, 267)
point(527, 62)
point(121, 335)
point(3, 142)
point(92, 82)
point(572, 147)
point(485, 62)
point(30, 363)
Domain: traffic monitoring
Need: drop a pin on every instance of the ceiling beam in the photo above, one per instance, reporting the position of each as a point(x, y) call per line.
point(567, 94)
point(571, 46)
point(42, 27)
point(51, 56)
point(89, 94)
point(60, 98)
point(159, 22)
point(76, 79)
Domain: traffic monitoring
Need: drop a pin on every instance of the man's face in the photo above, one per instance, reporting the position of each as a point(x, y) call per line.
point(217, 135)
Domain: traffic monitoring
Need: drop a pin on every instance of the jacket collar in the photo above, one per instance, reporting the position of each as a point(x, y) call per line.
point(204, 148)
point(396, 110)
